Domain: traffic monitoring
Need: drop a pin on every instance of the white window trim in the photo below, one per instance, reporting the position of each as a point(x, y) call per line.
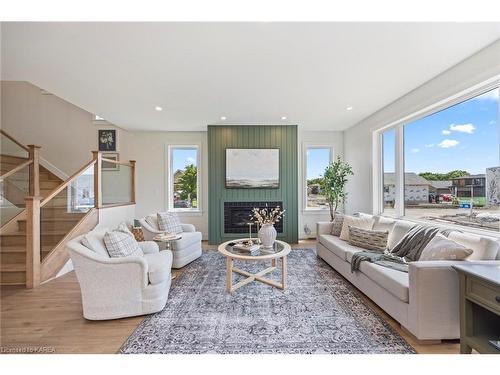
point(305, 147)
point(377, 170)
point(169, 178)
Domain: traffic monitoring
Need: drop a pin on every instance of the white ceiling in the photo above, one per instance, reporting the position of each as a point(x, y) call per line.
point(252, 73)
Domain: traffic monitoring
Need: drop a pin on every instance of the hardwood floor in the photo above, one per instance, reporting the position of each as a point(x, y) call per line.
point(50, 318)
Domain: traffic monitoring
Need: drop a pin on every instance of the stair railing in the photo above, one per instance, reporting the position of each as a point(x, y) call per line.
point(100, 183)
point(16, 178)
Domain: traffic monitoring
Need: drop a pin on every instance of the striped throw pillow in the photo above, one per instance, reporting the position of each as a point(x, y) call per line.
point(368, 239)
point(169, 222)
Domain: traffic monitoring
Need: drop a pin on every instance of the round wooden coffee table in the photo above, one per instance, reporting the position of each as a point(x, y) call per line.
point(280, 250)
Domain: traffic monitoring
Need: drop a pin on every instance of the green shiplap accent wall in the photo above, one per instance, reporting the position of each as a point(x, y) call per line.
point(255, 136)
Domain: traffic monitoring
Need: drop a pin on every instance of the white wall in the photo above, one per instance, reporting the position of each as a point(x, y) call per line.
point(149, 151)
point(65, 132)
point(358, 139)
point(323, 138)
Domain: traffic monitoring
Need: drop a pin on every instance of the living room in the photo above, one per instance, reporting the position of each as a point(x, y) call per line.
point(250, 188)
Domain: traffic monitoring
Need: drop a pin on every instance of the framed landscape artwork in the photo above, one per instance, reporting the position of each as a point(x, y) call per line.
point(106, 139)
point(252, 168)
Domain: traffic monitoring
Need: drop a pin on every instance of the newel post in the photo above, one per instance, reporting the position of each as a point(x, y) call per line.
point(34, 181)
point(132, 164)
point(33, 241)
point(97, 179)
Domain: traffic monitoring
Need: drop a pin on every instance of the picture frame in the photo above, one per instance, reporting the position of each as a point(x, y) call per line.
point(252, 168)
point(106, 140)
point(107, 166)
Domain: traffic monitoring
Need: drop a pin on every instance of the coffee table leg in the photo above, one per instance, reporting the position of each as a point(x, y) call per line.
point(283, 272)
point(229, 274)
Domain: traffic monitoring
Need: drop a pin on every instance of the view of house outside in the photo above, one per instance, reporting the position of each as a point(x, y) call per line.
point(185, 177)
point(317, 159)
point(451, 164)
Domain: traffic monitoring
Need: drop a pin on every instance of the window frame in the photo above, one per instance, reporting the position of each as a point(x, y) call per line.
point(169, 201)
point(306, 146)
point(398, 125)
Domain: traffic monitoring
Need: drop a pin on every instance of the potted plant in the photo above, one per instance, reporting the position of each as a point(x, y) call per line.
point(266, 218)
point(334, 182)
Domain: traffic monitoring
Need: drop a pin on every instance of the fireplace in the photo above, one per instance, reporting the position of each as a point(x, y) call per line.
point(237, 215)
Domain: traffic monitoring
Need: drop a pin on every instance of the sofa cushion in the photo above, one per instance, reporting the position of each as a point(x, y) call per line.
point(395, 282)
point(383, 223)
point(188, 239)
point(401, 227)
point(368, 239)
point(169, 222)
point(483, 248)
point(338, 220)
point(364, 222)
point(159, 266)
point(94, 241)
point(442, 248)
point(337, 246)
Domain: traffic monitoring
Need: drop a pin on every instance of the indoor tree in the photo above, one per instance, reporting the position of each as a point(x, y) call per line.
point(334, 182)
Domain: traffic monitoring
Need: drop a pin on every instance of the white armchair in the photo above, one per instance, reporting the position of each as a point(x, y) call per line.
point(185, 250)
point(115, 288)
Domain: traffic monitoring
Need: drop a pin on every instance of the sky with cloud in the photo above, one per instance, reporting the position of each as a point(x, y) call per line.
point(182, 158)
point(465, 136)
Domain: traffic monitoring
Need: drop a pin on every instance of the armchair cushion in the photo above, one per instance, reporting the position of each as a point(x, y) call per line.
point(169, 222)
point(148, 247)
point(188, 228)
point(95, 241)
point(159, 266)
point(188, 239)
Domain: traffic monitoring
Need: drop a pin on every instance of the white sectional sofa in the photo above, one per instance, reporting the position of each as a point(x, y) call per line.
point(425, 300)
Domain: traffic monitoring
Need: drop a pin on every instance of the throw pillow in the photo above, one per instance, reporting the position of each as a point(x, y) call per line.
point(359, 222)
point(120, 244)
point(338, 220)
point(442, 248)
point(169, 222)
point(368, 239)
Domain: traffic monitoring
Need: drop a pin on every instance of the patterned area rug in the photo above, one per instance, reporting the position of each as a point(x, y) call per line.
point(319, 312)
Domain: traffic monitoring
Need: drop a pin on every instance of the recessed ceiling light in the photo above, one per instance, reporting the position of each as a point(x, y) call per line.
point(349, 108)
point(158, 108)
point(283, 118)
point(223, 118)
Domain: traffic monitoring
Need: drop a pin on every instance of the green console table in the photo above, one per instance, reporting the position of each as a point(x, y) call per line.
point(479, 307)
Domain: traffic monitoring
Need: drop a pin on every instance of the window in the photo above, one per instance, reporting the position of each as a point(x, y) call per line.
point(450, 165)
point(184, 179)
point(317, 158)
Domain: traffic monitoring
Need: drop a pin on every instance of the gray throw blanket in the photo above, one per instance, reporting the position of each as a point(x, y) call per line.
point(407, 250)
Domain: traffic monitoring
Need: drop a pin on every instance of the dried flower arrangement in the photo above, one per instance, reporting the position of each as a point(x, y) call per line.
point(264, 216)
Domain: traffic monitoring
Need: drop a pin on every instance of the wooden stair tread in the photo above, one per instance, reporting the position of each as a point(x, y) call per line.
point(22, 249)
point(55, 219)
point(15, 267)
point(45, 233)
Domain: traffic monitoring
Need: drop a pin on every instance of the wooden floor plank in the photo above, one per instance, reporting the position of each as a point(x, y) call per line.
point(51, 316)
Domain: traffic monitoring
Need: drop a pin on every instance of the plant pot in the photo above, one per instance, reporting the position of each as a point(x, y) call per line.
point(267, 235)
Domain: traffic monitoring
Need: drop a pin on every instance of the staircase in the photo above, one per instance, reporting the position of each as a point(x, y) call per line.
point(40, 212)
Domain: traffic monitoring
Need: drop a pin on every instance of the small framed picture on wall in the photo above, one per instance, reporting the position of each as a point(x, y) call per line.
point(108, 166)
point(106, 139)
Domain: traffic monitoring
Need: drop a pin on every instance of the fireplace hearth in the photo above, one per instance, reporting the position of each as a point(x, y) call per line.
point(237, 215)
